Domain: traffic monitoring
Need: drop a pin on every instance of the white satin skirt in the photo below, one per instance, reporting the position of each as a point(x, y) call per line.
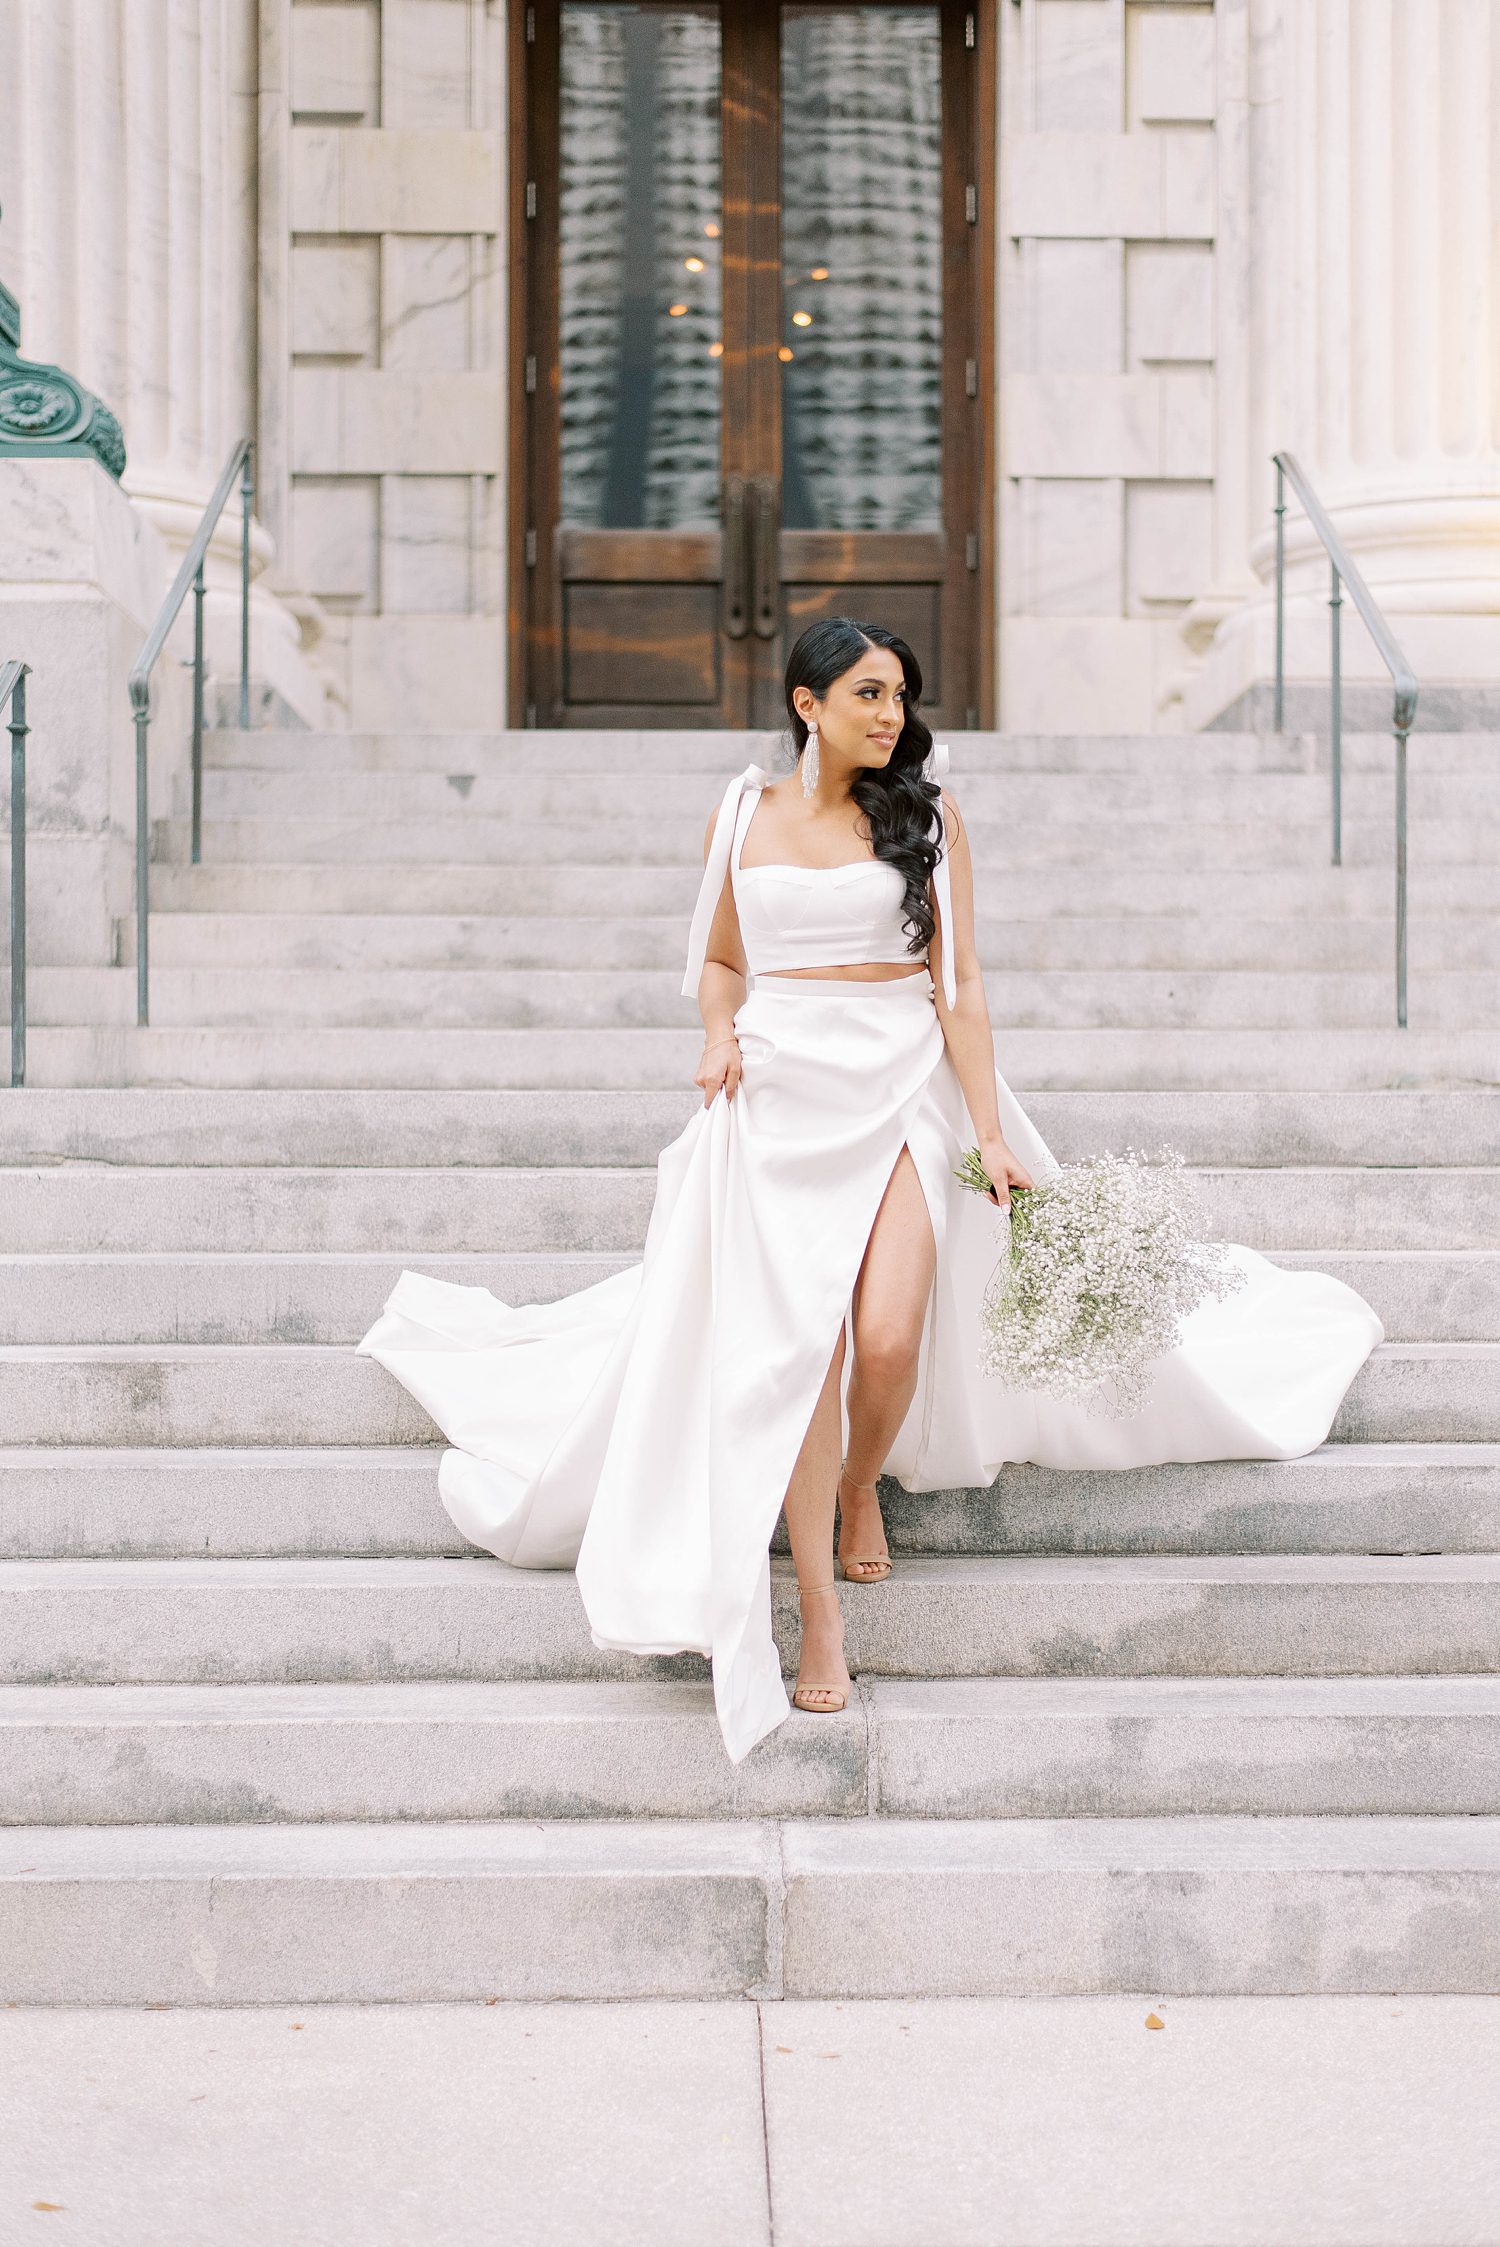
point(642, 1431)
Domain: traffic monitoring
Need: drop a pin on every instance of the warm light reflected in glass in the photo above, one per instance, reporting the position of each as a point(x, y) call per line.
point(801, 319)
point(675, 311)
point(716, 351)
point(818, 273)
point(693, 264)
point(786, 352)
point(712, 231)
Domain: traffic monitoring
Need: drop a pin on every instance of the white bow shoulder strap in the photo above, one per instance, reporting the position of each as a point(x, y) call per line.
point(717, 866)
point(934, 770)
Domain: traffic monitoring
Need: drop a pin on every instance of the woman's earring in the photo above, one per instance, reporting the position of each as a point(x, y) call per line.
point(810, 761)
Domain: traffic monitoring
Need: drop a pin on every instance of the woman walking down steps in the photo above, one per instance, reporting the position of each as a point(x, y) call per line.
point(806, 1312)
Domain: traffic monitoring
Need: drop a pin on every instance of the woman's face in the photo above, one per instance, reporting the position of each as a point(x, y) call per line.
point(861, 716)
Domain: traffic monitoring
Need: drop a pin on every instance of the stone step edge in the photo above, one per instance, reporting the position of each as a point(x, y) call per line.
point(917, 1572)
point(826, 1908)
point(1343, 1458)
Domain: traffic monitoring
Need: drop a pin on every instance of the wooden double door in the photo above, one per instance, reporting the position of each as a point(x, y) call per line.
point(750, 331)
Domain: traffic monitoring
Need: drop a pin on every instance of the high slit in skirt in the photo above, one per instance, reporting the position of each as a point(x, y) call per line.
point(642, 1431)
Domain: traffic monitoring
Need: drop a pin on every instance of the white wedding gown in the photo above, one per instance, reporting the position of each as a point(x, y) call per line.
point(642, 1431)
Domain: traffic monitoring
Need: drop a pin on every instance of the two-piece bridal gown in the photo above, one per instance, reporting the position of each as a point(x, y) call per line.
point(642, 1431)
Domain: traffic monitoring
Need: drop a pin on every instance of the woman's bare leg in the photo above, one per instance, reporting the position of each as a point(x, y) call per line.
point(809, 1520)
point(890, 1305)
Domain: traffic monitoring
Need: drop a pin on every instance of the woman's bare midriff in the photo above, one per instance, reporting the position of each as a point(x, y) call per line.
point(865, 971)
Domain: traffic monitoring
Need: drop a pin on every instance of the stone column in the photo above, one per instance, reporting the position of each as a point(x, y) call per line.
point(129, 237)
point(1373, 319)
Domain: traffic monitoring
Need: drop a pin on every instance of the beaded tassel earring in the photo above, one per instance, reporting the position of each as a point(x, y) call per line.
point(810, 761)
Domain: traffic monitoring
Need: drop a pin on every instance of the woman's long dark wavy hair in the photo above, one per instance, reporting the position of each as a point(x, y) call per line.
point(903, 809)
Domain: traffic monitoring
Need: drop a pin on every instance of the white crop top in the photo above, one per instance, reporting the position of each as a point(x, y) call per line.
point(810, 916)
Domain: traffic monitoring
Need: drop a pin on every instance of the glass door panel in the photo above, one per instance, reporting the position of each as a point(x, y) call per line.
point(640, 351)
point(641, 232)
point(861, 350)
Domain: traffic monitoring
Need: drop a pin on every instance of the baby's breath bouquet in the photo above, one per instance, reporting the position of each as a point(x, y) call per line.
point(1102, 1267)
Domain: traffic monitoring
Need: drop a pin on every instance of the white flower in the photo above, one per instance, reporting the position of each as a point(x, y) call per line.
point(1102, 1267)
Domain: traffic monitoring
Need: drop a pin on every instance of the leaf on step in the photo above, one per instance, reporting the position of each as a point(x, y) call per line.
point(784, 2047)
point(53, 2207)
point(1155, 2021)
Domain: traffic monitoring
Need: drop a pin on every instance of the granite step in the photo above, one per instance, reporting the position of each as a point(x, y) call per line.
point(1307, 892)
point(166, 1393)
point(1097, 1061)
point(87, 1208)
point(222, 1622)
point(251, 942)
point(208, 1296)
point(581, 751)
point(1261, 843)
point(204, 1127)
point(944, 1748)
point(831, 1908)
point(619, 998)
point(1134, 798)
point(65, 1501)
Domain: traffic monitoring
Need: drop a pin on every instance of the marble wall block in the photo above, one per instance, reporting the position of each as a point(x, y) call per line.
point(426, 538)
point(335, 541)
point(335, 60)
point(432, 672)
point(1079, 67)
point(427, 182)
point(428, 66)
point(1077, 675)
point(1168, 542)
point(431, 281)
point(1074, 545)
point(335, 308)
point(354, 423)
point(1188, 182)
point(1186, 397)
point(1147, 186)
point(1169, 302)
point(1170, 65)
point(1083, 425)
point(1073, 307)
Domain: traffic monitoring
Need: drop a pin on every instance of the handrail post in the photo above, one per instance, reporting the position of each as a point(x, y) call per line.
point(198, 715)
point(190, 572)
point(1336, 717)
point(142, 856)
point(247, 495)
point(1280, 596)
point(1401, 733)
point(18, 732)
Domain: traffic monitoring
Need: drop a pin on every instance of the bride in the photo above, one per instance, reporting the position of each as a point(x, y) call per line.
point(805, 1315)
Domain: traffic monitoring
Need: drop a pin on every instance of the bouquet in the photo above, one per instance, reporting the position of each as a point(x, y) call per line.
point(1102, 1267)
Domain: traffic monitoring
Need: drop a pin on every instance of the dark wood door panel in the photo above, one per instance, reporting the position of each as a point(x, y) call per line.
point(617, 623)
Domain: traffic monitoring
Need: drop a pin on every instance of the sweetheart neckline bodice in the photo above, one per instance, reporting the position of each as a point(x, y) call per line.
point(849, 865)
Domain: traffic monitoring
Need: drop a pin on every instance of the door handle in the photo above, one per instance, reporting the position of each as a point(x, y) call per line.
point(765, 576)
point(736, 564)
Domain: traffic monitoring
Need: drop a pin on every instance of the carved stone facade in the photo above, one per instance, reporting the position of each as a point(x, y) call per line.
point(1222, 228)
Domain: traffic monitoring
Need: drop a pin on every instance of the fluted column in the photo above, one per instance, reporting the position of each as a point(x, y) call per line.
point(128, 233)
point(1374, 315)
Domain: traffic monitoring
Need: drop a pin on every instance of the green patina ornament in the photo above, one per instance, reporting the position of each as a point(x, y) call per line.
point(45, 414)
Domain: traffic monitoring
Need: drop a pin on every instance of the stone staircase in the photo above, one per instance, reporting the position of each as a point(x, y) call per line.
point(269, 1731)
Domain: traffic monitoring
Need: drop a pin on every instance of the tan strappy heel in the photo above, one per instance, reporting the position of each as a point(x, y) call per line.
point(833, 1696)
point(875, 1567)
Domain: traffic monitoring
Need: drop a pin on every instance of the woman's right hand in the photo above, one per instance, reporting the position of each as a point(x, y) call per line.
point(719, 1067)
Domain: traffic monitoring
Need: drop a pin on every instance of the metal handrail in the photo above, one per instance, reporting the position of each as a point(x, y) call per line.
point(239, 463)
point(1403, 679)
point(13, 698)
